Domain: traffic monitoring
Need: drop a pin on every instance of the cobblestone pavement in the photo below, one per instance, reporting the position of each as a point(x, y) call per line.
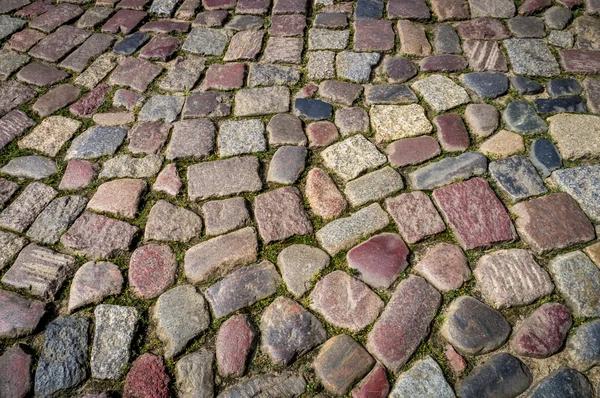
point(256, 198)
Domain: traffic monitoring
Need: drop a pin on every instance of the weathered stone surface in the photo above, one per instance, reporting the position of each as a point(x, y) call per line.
point(194, 374)
point(323, 195)
point(162, 107)
point(517, 177)
point(22, 212)
point(62, 364)
point(299, 264)
point(543, 332)
point(11, 244)
point(572, 104)
point(90, 102)
point(272, 75)
point(545, 157)
point(345, 232)
point(124, 21)
point(285, 129)
point(56, 218)
point(284, 385)
point(181, 314)
point(373, 186)
point(486, 84)
point(563, 382)
point(93, 282)
point(97, 236)
point(526, 86)
point(476, 215)
point(119, 197)
point(511, 277)
point(183, 74)
point(94, 46)
point(502, 144)
point(531, 57)
point(351, 157)
point(13, 94)
point(441, 93)
point(482, 29)
point(341, 362)
point(473, 328)
point(424, 379)
point(288, 331)
point(19, 316)
point(576, 135)
point(393, 122)
point(414, 303)
point(97, 71)
point(167, 222)
point(448, 170)
point(234, 345)
point(415, 216)
point(312, 109)
point(444, 266)
point(444, 63)
point(355, 67)
point(492, 8)
point(215, 258)
point(344, 93)
point(501, 375)
point(13, 125)
point(34, 167)
point(582, 184)
point(10, 62)
point(242, 288)
point(136, 73)
point(552, 222)
point(223, 178)
point(15, 366)
point(412, 38)
point(147, 378)
point(168, 181)
point(115, 326)
point(151, 270)
point(287, 164)
point(191, 138)
point(262, 101)
point(583, 346)
point(374, 384)
point(95, 142)
point(399, 69)
point(577, 278)
point(452, 132)
point(222, 216)
point(280, 214)
point(287, 50)
point(123, 166)
point(325, 39)
point(241, 137)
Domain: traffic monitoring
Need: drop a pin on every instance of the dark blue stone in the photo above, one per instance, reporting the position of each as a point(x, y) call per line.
point(368, 9)
point(517, 177)
point(564, 383)
point(572, 104)
point(563, 87)
point(520, 117)
point(131, 43)
point(526, 86)
point(312, 109)
point(544, 156)
point(487, 84)
point(501, 376)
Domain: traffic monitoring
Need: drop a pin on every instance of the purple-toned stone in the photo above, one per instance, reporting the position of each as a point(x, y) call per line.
point(580, 61)
point(93, 282)
point(30, 11)
point(90, 103)
point(40, 74)
point(399, 69)
point(256, 7)
point(207, 104)
point(415, 216)
point(407, 9)
point(224, 77)
point(450, 10)
point(373, 35)
point(128, 99)
point(411, 151)
point(444, 266)
point(19, 316)
point(235, 342)
point(404, 323)
point(13, 125)
point(97, 236)
point(93, 47)
point(55, 99)
point(452, 133)
point(345, 302)
point(161, 47)
point(321, 134)
point(543, 332)
point(78, 174)
point(344, 93)
point(147, 378)
point(482, 29)
point(165, 26)
point(56, 17)
point(15, 368)
point(148, 137)
point(443, 63)
point(485, 55)
point(124, 21)
point(135, 73)
point(373, 385)
point(7, 190)
point(210, 19)
point(58, 44)
point(280, 214)
point(25, 39)
point(287, 25)
point(475, 214)
point(244, 45)
point(323, 196)
point(151, 270)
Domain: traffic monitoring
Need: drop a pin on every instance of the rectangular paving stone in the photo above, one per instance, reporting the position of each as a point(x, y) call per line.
point(56, 17)
point(326, 39)
point(580, 61)
point(475, 214)
point(448, 170)
point(353, 156)
point(58, 44)
point(163, 8)
point(41, 74)
point(13, 125)
point(206, 41)
point(219, 256)
point(57, 98)
point(345, 232)
point(136, 73)
point(262, 101)
point(50, 135)
point(583, 184)
point(7, 190)
point(98, 70)
point(96, 236)
point(91, 49)
point(13, 94)
point(25, 39)
point(19, 215)
point(552, 222)
point(242, 288)
point(223, 178)
point(93, 17)
point(7, 6)
point(114, 332)
point(9, 25)
point(415, 215)
point(374, 186)
point(531, 57)
point(10, 62)
point(56, 218)
point(576, 136)
point(40, 271)
point(485, 55)
point(10, 245)
point(124, 21)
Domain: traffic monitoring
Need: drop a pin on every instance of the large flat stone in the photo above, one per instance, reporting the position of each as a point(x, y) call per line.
point(583, 184)
point(23, 211)
point(56, 218)
point(577, 136)
point(280, 214)
point(351, 157)
point(19, 316)
point(223, 178)
point(448, 170)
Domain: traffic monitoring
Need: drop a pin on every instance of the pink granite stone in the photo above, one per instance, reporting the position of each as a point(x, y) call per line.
point(457, 363)
point(90, 103)
point(161, 47)
point(443, 63)
point(151, 270)
point(450, 10)
point(93, 282)
point(411, 151)
point(25, 39)
point(147, 378)
point(323, 196)
point(168, 180)
point(444, 266)
point(475, 214)
point(287, 25)
point(78, 174)
point(373, 35)
point(124, 21)
point(321, 134)
point(532, 6)
point(148, 137)
point(118, 197)
point(345, 302)
point(379, 260)
point(580, 61)
point(374, 385)
point(19, 316)
point(15, 368)
point(224, 77)
point(218, 4)
point(482, 29)
point(415, 216)
point(543, 332)
point(235, 342)
point(452, 133)
point(404, 323)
